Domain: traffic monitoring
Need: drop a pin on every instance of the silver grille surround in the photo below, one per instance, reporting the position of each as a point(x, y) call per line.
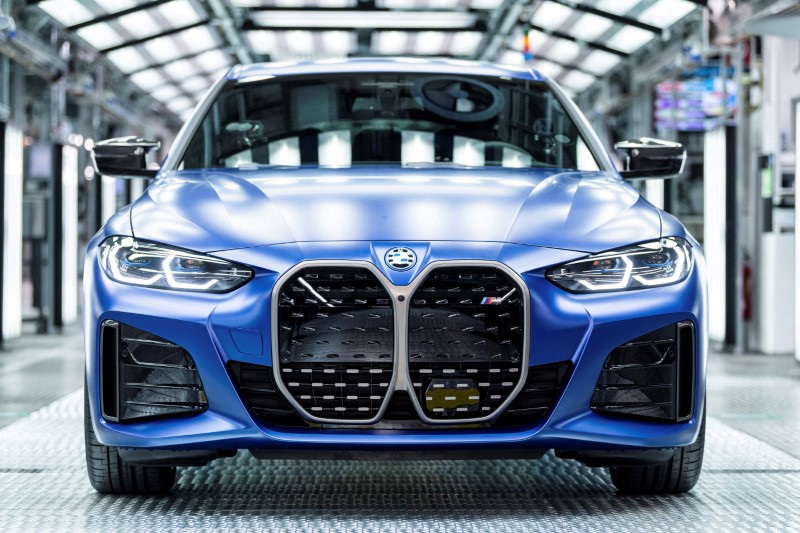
point(401, 375)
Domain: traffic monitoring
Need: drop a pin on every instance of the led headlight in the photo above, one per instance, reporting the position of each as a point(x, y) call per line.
point(649, 264)
point(148, 264)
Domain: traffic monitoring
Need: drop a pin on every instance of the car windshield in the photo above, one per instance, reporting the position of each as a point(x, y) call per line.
point(417, 120)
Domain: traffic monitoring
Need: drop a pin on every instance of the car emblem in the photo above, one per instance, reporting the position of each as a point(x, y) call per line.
point(400, 258)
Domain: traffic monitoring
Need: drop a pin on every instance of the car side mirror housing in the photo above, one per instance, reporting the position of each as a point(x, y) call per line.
point(651, 158)
point(124, 157)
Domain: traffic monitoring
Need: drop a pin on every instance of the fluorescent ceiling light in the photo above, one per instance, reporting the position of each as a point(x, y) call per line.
point(67, 12)
point(617, 7)
point(300, 42)
point(390, 43)
point(179, 13)
point(562, 50)
point(189, 41)
point(338, 43)
point(665, 13)
point(196, 84)
point(429, 43)
point(465, 43)
point(100, 36)
point(551, 15)
point(140, 24)
point(181, 69)
point(599, 62)
point(577, 80)
point(512, 57)
point(127, 59)
point(165, 93)
point(148, 79)
point(486, 4)
point(294, 3)
point(364, 19)
point(629, 39)
point(213, 60)
point(548, 68)
point(180, 103)
point(116, 5)
point(589, 27)
point(263, 41)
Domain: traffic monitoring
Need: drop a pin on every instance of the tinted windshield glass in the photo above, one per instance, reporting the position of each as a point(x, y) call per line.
point(408, 119)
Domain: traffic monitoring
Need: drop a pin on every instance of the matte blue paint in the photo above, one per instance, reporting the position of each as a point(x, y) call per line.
point(528, 219)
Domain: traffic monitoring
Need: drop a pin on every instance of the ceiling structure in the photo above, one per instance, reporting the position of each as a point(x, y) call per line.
point(174, 49)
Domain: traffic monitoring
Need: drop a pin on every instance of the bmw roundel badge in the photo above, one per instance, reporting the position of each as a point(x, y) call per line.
point(400, 258)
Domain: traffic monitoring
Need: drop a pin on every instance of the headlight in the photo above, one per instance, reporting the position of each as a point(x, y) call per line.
point(650, 264)
point(148, 264)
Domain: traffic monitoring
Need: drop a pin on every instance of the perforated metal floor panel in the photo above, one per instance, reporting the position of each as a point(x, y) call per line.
point(750, 481)
point(746, 485)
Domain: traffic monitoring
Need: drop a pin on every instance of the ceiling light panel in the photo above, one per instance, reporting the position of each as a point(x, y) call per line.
point(390, 43)
point(67, 12)
point(551, 15)
point(295, 3)
point(429, 43)
point(364, 19)
point(548, 68)
point(180, 103)
point(617, 7)
point(562, 50)
point(629, 39)
point(577, 80)
point(195, 85)
point(148, 79)
point(599, 62)
point(128, 59)
point(165, 93)
point(512, 57)
point(438, 4)
point(589, 27)
point(263, 42)
point(117, 5)
point(665, 13)
point(100, 36)
point(465, 43)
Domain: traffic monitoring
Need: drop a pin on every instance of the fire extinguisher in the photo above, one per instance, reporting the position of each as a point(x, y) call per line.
point(747, 282)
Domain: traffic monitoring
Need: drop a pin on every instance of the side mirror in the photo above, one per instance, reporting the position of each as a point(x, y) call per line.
point(124, 157)
point(651, 158)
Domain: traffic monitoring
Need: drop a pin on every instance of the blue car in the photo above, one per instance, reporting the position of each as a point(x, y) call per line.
point(392, 259)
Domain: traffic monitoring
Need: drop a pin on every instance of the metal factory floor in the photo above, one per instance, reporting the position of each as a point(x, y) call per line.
point(750, 481)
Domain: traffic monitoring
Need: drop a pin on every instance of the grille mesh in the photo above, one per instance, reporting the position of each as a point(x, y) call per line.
point(465, 345)
point(336, 341)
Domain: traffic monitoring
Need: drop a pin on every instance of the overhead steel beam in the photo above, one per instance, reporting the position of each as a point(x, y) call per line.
point(621, 19)
point(590, 44)
point(166, 33)
point(501, 24)
point(254, 27)
point(165, 63)
point(223, 17)
point(118, 14)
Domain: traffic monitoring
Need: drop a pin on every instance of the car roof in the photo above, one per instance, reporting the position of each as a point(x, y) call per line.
point(259, 71)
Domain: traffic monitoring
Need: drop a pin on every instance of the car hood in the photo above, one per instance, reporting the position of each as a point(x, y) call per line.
point(219, 210)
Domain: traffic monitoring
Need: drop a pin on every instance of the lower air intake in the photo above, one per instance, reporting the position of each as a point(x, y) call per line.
point(145, 376)
point(650, 377)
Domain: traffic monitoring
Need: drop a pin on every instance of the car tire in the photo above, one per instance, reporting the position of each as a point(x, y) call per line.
point(109, 474)
point(679, 474)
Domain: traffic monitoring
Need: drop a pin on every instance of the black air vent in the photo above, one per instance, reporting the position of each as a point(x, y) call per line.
point(650, 377)
point(145, 376)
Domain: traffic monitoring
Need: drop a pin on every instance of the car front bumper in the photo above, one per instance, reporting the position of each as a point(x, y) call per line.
point(218, 328)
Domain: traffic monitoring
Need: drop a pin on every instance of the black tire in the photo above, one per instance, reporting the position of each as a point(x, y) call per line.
point(109, 474)
point(679, 474)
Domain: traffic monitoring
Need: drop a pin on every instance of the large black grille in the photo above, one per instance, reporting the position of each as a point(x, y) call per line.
point(144, 376)
point(651, 376)
point(466, 336)
point(336, 342)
